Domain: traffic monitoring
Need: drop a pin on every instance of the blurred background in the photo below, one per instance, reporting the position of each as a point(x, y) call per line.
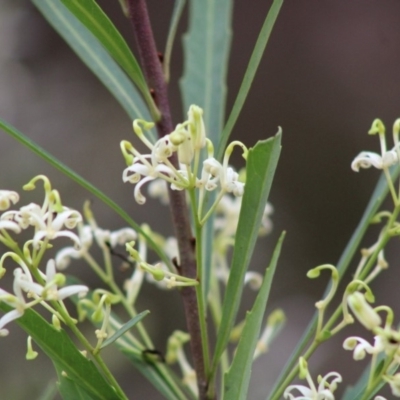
point(330, 68)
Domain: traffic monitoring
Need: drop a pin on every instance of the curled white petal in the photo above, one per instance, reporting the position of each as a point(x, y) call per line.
point(6, 198)
point(80, 290)
point(367, 159)
point(137, 193)
point(360, 346)
point(8, 317)
point(10, 226)
point(306, 392)
point(122, 236)
point(254, 279)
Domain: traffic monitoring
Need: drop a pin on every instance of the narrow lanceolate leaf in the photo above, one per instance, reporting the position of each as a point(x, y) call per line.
point(35, 148)
point(61, 350)
point(93, 54)
point(125, 328)
point(97, 22)
point(261, 164)
point(238, 376)
point(249, 75)
point(206, 50)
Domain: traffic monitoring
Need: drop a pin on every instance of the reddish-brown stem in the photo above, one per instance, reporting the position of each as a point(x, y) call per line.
point(152, 68)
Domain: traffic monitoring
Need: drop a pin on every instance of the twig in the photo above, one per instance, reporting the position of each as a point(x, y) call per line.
point(152, 67)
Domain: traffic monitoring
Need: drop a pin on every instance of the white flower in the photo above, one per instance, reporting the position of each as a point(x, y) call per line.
point(6, 198)
point(122, 236)
point(367, 159)
point(360, 347)
point(49, 228)
point(51, 291)
point(48, 220)
point(387, 158)
point(141, 172)
point(214, 172)
point(23, 217)
point(230, 183)
point(63, 257)
point(119, 237)
point(323, 392)
point(22, 279)
point(210, 174)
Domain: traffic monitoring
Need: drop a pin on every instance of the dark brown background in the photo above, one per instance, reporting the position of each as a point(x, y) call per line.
point(330, 68)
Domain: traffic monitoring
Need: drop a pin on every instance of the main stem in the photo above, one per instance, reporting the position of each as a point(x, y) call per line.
point(152, 68)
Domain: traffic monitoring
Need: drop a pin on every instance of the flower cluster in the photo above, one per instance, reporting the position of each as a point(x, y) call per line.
point(51, 220)
point(386, 159)
point(386, 343)
point(187, 142)
point(325, 390)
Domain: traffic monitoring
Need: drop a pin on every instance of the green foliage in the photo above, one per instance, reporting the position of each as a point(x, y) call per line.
point(237, 378)
point(261, 165)
point(94, 19)
point(63, 352)
point(125, 328)
point(206, 49)
point(93, 54)
point(69, 388)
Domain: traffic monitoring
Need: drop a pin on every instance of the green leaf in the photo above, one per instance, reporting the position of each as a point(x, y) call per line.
point(176, 16)
point(97, 22)
point(92, 53)
point(124, 328)
point(206, 51)
point(261, 164)
point(249, 75)
point(238, 376)
point(35, 148)
point(68, 388)
point(61, 350)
